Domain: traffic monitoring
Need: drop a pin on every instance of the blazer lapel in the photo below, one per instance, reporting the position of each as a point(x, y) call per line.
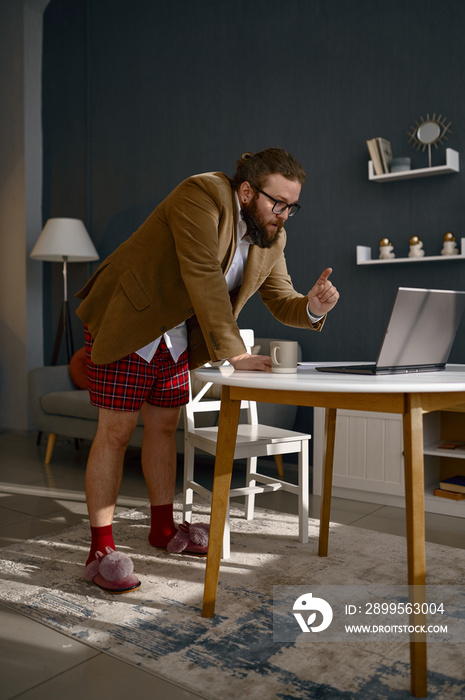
point(255, 261)
point(227, 240)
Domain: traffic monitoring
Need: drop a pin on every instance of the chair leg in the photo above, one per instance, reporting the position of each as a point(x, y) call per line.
point(52, 438)
point(279, 465)
point(188, 493)
point(188, 498)
point(303, 493)
point(250, 498)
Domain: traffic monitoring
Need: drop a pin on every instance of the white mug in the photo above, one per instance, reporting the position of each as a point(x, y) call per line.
point(283, 356)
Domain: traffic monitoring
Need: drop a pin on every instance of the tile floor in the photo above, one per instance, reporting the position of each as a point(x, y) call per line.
point(37, 663)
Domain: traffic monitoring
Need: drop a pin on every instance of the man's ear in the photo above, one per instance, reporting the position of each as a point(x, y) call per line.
point(245, 192)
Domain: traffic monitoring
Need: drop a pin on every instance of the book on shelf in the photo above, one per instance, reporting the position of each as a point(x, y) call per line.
point(375, 157)
point(449, 494)
point(451, 445)
point(385, 151)
point(454, 483)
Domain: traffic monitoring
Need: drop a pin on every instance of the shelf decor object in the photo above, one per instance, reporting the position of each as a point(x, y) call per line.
point(449, 246)
point(429, 132)
point(364, 257)
point(386, 249)
point(451, 166)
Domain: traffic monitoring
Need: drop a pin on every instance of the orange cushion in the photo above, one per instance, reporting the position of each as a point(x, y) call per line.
point(78, 369)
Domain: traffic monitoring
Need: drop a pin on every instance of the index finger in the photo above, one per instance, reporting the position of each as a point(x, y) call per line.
point(325, 274)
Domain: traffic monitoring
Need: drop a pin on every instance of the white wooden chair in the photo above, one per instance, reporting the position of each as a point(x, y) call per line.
point(253, 441)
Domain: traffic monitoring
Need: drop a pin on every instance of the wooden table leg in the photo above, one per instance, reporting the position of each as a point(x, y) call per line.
point(415, 514)
point(328, 460)
point(226, 445)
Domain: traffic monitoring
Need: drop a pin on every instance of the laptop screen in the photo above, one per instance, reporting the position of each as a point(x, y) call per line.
point(421, 328)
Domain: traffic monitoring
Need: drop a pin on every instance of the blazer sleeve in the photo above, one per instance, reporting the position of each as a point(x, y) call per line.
point(286, 304)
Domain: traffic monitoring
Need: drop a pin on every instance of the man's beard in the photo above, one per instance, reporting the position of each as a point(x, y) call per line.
point(257, 232)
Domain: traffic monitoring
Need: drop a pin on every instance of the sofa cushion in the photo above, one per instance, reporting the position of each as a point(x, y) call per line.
point(74, 404)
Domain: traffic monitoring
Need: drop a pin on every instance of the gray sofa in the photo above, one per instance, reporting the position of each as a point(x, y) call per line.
point(59, 408)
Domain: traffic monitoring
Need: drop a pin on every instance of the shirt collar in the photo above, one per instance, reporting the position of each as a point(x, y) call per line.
point(241, 225)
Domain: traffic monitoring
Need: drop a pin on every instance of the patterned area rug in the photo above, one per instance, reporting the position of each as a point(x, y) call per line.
point(159, 628)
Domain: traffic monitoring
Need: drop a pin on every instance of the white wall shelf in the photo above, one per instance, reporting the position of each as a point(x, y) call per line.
point(452, 166)
point(364, 257)
point(435, 450)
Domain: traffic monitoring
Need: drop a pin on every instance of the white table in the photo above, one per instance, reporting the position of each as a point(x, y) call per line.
point(410, 395)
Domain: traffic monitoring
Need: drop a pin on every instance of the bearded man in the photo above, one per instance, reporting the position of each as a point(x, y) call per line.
point(167, 300)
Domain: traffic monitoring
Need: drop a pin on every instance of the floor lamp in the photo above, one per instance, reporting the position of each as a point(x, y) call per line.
point(64, 240)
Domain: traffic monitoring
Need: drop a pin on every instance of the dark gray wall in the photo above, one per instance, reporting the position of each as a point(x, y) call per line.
point(139, 95)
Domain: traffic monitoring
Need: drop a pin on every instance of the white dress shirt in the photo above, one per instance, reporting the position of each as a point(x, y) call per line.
point(176, 338)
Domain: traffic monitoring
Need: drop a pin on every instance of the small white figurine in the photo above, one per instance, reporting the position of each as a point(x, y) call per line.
point(416, 248)
point(449, 245)
point(386, 249)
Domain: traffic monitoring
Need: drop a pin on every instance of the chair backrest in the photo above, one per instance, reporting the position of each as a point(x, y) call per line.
point(200, 402)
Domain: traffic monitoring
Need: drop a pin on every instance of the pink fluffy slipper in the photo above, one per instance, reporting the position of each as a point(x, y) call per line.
point(112, 571)
point(190, 539)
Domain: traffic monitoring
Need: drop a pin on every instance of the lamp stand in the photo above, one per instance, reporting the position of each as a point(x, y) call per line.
point(64, 323)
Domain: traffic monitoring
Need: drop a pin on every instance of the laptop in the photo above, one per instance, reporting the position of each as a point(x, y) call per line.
point(419, 335)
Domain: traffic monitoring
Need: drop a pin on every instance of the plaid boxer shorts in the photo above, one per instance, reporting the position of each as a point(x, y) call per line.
point(124, 385)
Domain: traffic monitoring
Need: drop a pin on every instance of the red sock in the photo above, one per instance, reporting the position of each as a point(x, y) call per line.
point(101, 537)
point(162, 527)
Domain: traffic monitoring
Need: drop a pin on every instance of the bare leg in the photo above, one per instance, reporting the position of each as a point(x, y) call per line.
point(159, 465)
point(105, 464)
point(159, 452)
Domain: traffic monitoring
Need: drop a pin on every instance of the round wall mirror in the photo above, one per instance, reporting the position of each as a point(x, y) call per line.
point(428, 132)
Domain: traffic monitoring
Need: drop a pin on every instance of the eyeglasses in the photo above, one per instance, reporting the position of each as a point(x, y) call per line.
point(280, 207)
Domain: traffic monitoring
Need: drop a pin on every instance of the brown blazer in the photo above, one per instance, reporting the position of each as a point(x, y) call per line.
point(172, 269)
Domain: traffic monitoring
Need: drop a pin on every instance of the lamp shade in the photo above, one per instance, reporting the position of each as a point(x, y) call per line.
point(64, 239)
